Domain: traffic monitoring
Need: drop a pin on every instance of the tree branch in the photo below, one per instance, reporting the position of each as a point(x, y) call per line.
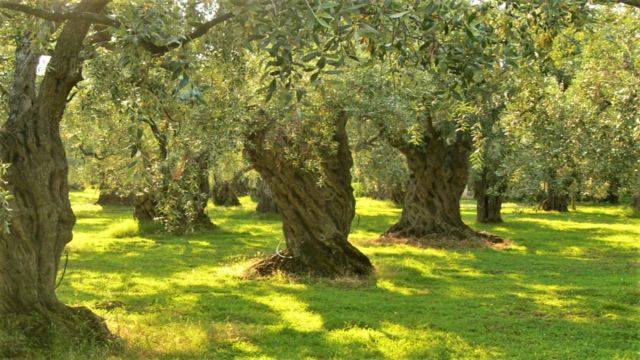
point(196, 33)
point(58, 16)
point(635, 3)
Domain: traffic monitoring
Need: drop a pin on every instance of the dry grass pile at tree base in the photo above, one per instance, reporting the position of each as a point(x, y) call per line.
point(477, 240)
point(566, 288)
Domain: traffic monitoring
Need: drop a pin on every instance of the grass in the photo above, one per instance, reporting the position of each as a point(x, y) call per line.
point(567, 289)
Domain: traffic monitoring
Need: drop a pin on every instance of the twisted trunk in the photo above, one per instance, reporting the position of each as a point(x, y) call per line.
point(554, 202)
point(486, 191)
point(555, 199)
point(200, 172)
point(636, 202)
point(437, 178)
point(113, 197)
point(264, 197)
point(317, 210)
point(42, 220)
point(144, 209)
point(223, 194)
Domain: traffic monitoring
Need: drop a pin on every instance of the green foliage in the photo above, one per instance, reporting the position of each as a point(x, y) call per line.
point(576, 126)
point(380, 171)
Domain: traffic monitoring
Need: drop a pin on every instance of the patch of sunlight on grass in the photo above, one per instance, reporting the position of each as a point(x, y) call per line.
point(402, 290)
point(295, 313)
point(124, 229)
point(237, 337)
point(568, 288)
point(110, 284)
point(394, 341)
point(152, 340)
point(547, 295)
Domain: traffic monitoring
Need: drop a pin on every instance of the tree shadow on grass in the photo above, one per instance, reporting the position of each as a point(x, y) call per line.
point(477, 302)
point(538, 301)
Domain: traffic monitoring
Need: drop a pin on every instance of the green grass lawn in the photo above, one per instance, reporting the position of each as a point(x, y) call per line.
point(567, 289)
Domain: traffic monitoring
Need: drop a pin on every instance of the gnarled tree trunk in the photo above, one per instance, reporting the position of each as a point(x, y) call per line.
point(555, 200)
point(613, 196)
point(223, 194)
point(636, 202)
point(226, 192)
point(264, 197)
point(42, 219)
point(144, 207)
point(438, 176)
point(316, 215)
point(486, 191)
point(199, 170)
point(113, 197)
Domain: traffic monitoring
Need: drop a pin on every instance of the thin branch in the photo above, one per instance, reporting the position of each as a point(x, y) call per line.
point(159, 136)
point(635, 3)
point(58, 16)
point(196, 33)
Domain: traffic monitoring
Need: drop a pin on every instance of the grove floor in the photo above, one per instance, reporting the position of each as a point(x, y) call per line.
point(567, 289)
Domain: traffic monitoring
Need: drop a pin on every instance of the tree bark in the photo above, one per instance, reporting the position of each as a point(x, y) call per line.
point(264, 198)
point(488, 199)
point(636, 202)
point(613, 196)
point(317, 208)
point(113, 197)
point(144, 209)
point(42, 220)
point(200, 172)
point(223, 194)
point(437, 178)
point(555, 200)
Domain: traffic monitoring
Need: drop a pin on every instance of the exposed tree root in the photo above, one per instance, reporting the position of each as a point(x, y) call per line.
point(284, 263)
point(455, 239)
point(281, 262)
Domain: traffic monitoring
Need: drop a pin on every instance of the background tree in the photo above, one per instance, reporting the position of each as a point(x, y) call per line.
point(575, 134)
point(379, 170)
point(425, 101)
